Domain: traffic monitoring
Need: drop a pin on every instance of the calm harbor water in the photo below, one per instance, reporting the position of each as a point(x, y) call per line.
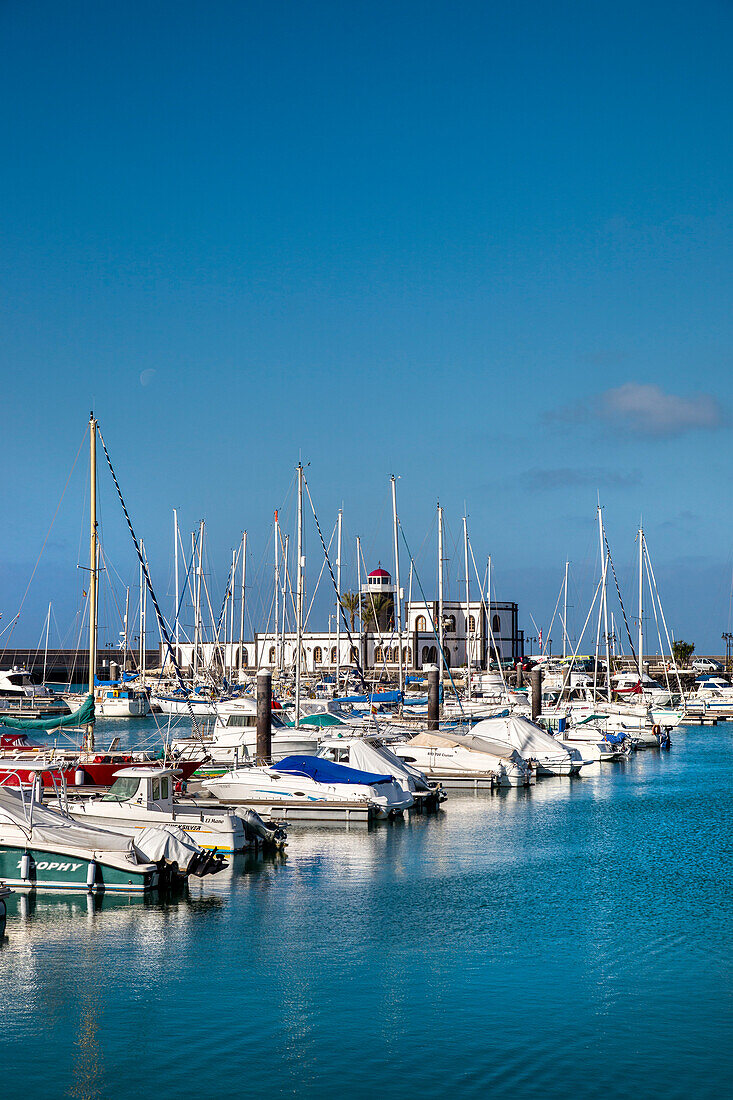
point(571, 940)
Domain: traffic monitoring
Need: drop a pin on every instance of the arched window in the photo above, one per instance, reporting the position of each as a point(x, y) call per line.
point(471, 624)
point(389, 654)
point(378, 655)
point(271, 658)
point(354, 653)
point(496, 624)
point(420, 625)
point(317, 655)
point(245, 658)
point(425, 654)
point(450, 624)
point(408, 656)
point(333, 655)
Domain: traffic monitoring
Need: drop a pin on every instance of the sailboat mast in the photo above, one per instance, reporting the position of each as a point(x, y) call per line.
point(175, 560)
point(641, 602)
point(89, 738)
point(604, 559)
point(440, 586)
point(45, 650)
point(565, 614)
point(241, 604)
point(231, 616)
point(338, 600)
point(277, 588)
point(127, 619)
point(143, 611)
point(397, 594)
point(299, 598)
point(468, 607)
point(197, 632)
point(358, 585)
point(281, 665)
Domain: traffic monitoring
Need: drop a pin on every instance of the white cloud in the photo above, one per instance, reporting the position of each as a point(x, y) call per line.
point(645, 409)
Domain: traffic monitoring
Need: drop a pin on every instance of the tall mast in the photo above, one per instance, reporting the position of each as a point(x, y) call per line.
point(241, 604)
point(89, 738)
point(604, 559)
point(45, 651)
point(143, 612)
point(397, 595)
point(338, 600)
point(127, 619)
point(285, 605)
point(277, 588)
point(565, 614)
point(197, 612)
point(440, 586)
point(358, 585)
point(299, 598)
point(468, 606)
point(231, 615)
point(175, 559)
point(641, 602)
point(490, 631)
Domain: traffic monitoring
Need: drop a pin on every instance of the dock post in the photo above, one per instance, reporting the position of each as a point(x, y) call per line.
point(520, 675)
point(433, 697)
point(536, 680)
point(264, 716)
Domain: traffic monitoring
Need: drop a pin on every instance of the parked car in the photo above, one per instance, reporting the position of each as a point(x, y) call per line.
point(706, 664)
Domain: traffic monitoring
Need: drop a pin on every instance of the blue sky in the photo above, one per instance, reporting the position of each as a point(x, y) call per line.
point(485, 247)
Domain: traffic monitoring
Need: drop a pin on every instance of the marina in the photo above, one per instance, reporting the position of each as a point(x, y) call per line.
point(531, 922)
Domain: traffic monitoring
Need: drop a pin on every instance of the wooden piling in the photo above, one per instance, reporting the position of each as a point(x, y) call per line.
point(264, 716)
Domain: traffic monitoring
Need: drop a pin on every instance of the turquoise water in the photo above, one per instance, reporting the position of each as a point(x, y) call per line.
point(571, 940)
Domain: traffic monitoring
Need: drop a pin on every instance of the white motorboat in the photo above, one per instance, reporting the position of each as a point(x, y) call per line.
point(114, 701)
point(233, 739)
point(465, 756)
point(141, 797)
point(713, 696)
point(644, 689)
point(367, 754)
point(21, 698)
point(310, 780)
point(181, 704)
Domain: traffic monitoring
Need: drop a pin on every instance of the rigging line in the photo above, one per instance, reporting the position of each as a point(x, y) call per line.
point(354, 650)
point(14, 621)
point(161, 621)
point(552, 620)
point(656, 623)
point(422, 593)
point(664, 621)
point(315, 590)
point(618, 593)
point(488, 615)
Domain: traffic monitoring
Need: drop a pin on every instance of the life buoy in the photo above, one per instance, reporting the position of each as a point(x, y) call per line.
point(656, 730)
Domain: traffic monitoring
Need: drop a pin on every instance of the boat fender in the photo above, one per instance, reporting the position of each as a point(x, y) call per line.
point(25, 866)
point(91, 873)
point(80, 777)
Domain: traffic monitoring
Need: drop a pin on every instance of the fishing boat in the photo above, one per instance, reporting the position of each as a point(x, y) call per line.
point(141, 797)
point(308, 781)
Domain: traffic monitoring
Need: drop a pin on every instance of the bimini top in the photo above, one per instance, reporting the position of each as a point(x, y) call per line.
point(327, 771)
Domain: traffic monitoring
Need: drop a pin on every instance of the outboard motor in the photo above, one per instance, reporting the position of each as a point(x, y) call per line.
point(256, 829)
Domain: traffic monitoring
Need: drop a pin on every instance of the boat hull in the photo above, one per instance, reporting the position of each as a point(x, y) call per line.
point(61, 872)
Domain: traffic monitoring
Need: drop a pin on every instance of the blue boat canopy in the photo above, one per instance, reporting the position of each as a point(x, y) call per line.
point(377, 697)
point(327, 771)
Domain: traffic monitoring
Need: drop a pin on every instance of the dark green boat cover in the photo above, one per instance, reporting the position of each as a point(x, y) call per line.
point(81, 717)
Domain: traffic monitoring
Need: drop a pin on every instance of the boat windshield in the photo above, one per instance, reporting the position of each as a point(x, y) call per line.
point(121, 790)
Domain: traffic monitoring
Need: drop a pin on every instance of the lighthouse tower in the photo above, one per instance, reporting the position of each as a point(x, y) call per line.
point(378, 596)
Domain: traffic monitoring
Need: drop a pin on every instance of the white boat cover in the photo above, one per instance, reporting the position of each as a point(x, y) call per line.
point(168, 842)
point(53, 827)
point(468, 741)
point(527, 738)
point(367, 757)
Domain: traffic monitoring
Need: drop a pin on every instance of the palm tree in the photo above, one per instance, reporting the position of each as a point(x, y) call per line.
point(350, 604)
point(378, 610)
